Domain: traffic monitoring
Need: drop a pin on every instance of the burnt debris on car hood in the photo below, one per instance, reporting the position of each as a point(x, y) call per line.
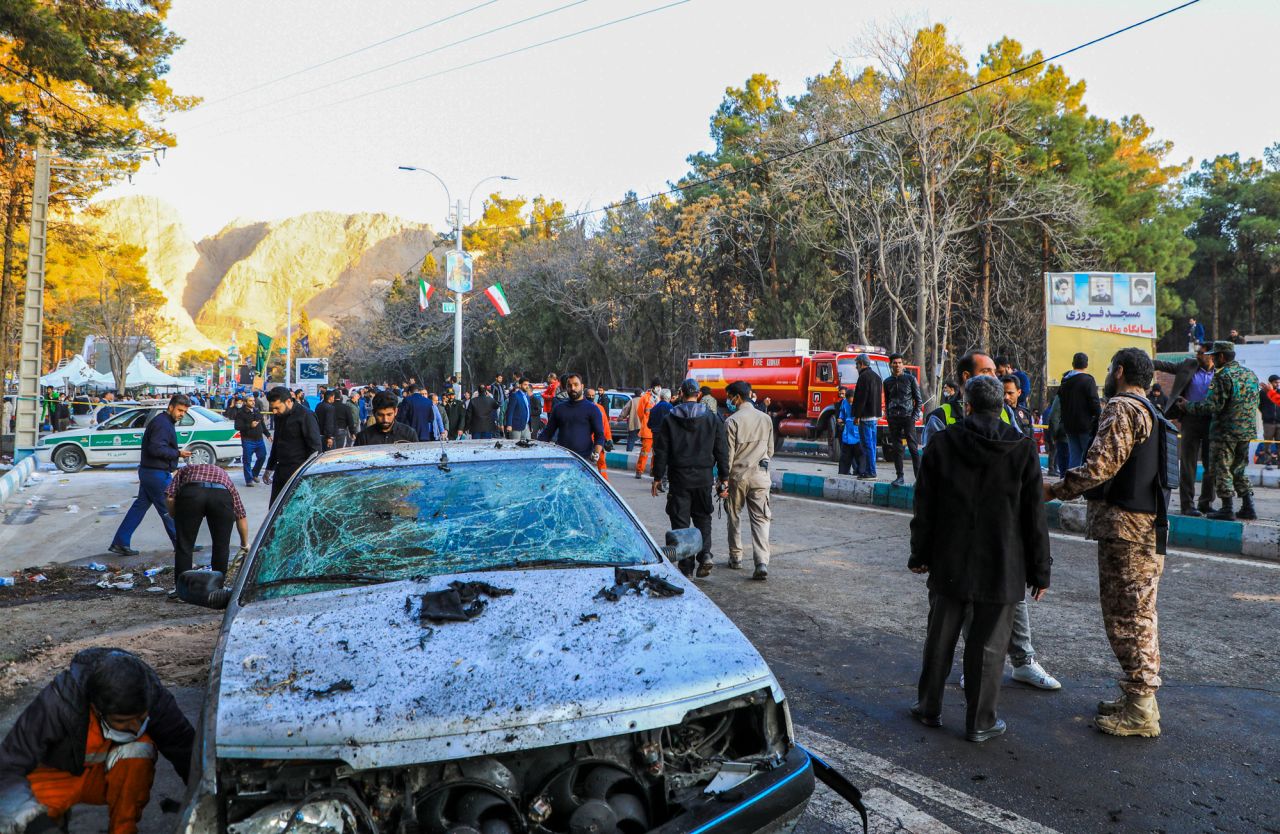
point(532, 671)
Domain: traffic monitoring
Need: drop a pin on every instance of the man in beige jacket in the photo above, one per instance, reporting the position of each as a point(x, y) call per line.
point(750, 434)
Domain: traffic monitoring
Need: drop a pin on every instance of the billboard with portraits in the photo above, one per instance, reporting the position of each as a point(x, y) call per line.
point(1123, 303)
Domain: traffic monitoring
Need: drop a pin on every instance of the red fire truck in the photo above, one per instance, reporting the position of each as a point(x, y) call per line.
point(806, 384)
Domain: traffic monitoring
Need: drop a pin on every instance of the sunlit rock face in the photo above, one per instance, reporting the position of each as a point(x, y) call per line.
point(239, 280)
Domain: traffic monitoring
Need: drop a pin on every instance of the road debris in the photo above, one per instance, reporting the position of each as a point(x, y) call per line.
point(633, 579)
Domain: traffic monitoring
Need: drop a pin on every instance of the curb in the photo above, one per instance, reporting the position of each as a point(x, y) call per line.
point(1257, 475)
point(12, 481)
point(1231, 537)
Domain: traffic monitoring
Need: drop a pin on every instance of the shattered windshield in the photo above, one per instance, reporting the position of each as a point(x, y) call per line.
point(406, 521)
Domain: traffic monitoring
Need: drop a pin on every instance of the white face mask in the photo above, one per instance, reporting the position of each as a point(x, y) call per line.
point(123, 736)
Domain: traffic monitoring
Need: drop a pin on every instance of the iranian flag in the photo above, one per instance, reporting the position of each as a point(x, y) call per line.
point(424, 293)
point(499, 299)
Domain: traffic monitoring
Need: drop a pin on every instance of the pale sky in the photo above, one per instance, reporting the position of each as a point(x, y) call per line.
point(587, 118)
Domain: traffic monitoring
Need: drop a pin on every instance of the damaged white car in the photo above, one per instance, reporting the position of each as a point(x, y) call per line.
point(480, 639)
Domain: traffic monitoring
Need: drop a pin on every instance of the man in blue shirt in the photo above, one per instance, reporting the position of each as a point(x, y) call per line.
point(160, 455)
point(516, 423)
point(575, 423)
point(1005, 367)
point(418, 412)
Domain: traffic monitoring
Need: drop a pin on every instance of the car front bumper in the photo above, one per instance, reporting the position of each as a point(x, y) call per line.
point(767, 803)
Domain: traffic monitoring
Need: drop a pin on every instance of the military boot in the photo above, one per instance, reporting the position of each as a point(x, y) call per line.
point(1226, 513)
point(1117, 706)
point(1139, 717)
point(1247, 512)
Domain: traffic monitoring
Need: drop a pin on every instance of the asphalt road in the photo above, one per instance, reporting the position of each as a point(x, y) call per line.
point(841, 622)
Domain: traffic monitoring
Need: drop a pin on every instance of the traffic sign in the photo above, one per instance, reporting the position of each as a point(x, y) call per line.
point(448, 307)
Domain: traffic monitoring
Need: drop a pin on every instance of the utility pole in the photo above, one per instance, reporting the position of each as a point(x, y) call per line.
point(288, 344)
point(457, 306)
point(27, 435)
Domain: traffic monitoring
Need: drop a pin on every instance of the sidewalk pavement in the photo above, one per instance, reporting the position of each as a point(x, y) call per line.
point(818, 479)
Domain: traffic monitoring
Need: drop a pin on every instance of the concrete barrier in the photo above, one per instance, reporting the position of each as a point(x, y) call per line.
point(1257, 539)
point(12, 481)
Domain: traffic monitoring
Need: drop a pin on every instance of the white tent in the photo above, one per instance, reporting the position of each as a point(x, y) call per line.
point(142, 372)
point(76, 372)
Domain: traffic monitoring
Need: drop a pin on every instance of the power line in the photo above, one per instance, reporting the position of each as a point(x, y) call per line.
point(346, 55)
point(467, 65)
point(23, 77)
point(396, 63)
point(764, 163)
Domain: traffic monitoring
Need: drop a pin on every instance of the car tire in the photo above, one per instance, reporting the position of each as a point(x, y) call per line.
point(69, 458)
point(202, 453)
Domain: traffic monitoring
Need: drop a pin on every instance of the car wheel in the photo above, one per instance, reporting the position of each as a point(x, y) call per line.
point(69, 458)
point(202, 453)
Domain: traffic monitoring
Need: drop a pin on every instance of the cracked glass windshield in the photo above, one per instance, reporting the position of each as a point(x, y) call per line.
point(405, 521)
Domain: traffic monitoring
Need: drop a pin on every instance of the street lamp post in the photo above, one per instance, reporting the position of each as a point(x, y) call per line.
point(458, 222)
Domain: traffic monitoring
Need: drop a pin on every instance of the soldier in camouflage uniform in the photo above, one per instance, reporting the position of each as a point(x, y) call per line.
point(1232, 404)
point(1129, 561)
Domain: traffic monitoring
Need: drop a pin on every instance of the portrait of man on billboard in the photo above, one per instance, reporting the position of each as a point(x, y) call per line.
point(1100, 289)
point(1140, 291)
point(1062, 290)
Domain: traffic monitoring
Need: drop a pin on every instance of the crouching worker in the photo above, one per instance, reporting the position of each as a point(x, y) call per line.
point(91, 738)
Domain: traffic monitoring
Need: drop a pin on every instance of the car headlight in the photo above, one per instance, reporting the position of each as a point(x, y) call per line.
point(321, 816)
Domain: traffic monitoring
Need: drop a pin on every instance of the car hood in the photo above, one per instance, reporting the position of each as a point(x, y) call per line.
point(353, 675)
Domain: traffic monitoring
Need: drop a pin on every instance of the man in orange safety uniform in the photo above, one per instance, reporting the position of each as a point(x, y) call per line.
point(645, 404)
point(91, 738)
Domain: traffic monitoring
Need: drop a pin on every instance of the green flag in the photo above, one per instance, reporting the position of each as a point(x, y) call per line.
point(264, 350)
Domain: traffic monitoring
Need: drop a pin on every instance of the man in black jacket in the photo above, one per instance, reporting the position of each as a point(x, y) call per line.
point(868, 397)
point(1192, 378)
point(1078, 399)
point(690, 441)
point(385, 429)
point(253, 448)
point(346, 422)
point(903, 403)
point(297, 437)
point(160, 455)
point(327, 419)
point(91, 738)
point(979, 532)
point(482, 415)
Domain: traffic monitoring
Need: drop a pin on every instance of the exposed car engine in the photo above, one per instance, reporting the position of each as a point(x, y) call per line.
point(626, 784)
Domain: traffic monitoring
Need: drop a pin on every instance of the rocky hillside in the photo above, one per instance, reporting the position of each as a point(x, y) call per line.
point(240, 279)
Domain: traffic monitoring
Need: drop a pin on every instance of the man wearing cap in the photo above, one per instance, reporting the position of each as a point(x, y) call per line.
point(1232, 405)
point(688, 446)
point(749, 433)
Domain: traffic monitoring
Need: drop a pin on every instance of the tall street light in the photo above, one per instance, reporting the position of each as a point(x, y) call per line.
point(457, 221)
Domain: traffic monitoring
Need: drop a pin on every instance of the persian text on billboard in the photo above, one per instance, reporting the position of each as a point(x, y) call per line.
point(1108, 302)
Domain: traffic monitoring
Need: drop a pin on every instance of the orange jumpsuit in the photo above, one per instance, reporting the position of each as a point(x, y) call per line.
point(601, 464)
point(643, 406)
point(116, 775)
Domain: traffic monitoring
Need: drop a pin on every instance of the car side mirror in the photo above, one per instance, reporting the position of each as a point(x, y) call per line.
point(683, 544)
point(203, 588)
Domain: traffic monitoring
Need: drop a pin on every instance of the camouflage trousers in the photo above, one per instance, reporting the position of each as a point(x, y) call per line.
point(1128, 577)
point(1227, 460)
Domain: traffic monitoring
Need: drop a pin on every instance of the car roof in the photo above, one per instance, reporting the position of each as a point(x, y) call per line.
point(417, 454)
